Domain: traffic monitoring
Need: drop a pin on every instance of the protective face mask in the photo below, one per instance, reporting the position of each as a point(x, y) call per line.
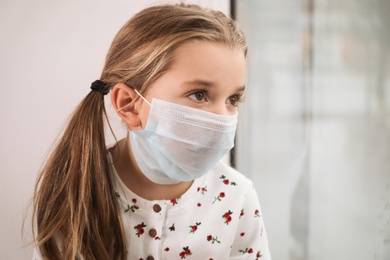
point(181, 143)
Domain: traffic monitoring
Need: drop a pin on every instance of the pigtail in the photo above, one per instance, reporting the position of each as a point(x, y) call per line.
point(75, 209)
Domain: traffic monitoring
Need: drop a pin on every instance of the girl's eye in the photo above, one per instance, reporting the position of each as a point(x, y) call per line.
point(234, 100)
point(198, 96)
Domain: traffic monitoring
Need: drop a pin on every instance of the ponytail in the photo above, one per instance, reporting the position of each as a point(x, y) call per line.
point(75, 209)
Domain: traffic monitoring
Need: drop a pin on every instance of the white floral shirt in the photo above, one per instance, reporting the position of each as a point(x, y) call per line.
point(218, 218)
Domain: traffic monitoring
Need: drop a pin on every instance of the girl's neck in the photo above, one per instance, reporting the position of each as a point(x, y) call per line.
point(136, 181)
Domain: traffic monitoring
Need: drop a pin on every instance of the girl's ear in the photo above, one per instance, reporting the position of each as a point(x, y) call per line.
point(124, 98)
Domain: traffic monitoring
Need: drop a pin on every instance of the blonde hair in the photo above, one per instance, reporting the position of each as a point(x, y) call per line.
point(74, 202)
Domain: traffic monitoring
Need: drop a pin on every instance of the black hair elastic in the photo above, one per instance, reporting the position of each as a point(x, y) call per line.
point(100, 87)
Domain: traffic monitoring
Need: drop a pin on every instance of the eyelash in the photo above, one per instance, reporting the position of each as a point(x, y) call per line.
point(204, 92)
point(238, 97)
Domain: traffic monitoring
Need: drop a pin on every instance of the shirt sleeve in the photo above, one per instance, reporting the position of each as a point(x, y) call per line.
point(251, 240)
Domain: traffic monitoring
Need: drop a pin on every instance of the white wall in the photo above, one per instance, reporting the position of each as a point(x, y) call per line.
point(50, 53)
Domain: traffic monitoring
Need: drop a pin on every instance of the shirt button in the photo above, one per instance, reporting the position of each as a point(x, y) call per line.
point(152, 232)
point(156, 208)
point(150, 258)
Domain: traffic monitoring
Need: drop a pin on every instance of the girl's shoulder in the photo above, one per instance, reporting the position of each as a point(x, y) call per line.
point(223, 177)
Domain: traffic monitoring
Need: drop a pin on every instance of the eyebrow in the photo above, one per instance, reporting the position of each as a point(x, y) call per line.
point(207, 84)
point(199, 82)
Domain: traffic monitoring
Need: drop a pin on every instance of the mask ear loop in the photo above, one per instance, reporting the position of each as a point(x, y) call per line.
point(139, 94)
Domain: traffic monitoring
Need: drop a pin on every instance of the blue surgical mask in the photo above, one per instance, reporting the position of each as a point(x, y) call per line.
point(181, 143)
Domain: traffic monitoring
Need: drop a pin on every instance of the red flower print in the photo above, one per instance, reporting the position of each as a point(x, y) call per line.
point(213, 239)
point(194, 228)
point(242, 234)
point(133, 207)
point(172, 228)
point(219, 197)
point(224, 180)
point(227, 216)
point(174, 201)
point(198, 204)
point(227, 181)
point(241, 213)
point(140, 229)
point(202, 189)
point(246, 251)
point(257, 213)
point(258, 255)
point(186, 252)
point(166, 249)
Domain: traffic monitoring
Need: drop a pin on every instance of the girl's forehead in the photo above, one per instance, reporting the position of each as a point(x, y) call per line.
point(204, 66)
point(210, 62)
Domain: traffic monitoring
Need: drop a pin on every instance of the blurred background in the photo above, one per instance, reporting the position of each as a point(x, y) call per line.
point(314, 128)
point(314, 133)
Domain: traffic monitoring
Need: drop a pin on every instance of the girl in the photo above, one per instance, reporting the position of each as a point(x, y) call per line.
point(176, 74)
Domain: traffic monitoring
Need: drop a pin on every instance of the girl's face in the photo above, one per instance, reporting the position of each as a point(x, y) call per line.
point(206, 76)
